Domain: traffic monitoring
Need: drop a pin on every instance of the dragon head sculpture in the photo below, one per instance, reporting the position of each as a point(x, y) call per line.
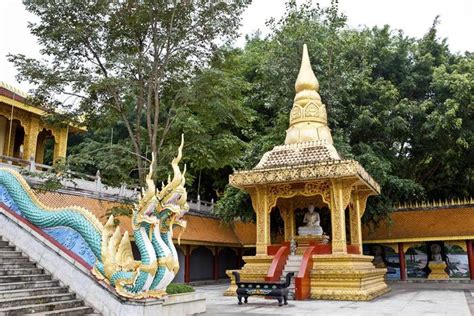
point(167, 206)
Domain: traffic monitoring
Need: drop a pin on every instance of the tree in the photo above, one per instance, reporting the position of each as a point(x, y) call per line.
point(131, 60)
point(401, 106)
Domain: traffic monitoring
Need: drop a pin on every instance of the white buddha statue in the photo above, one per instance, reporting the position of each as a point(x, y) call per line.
point(312, 227)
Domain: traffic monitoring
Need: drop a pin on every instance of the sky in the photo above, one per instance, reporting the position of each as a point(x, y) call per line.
point(414, 17)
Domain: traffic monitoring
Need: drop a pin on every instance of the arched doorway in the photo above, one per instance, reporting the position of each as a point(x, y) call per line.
point(12, 138)
point(201, 264)
point(227, 261)
point(16, 140)
point(45, 147)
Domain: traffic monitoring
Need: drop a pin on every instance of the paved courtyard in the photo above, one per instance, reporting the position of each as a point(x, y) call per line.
point(404, 299)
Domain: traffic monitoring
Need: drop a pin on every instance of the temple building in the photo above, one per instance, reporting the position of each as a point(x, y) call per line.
point(308, 172)
point(207, 247)
point(23, 133)
point(204, 255)
point(425, 240)
point(308, 202)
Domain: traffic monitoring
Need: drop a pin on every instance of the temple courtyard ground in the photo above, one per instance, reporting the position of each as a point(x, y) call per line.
point(404, 299)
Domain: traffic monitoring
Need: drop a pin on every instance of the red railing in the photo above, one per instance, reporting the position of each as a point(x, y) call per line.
point(303, 280)
point(278, 263)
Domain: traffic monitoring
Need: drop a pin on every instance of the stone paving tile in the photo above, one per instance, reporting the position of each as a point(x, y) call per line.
point(400, 301)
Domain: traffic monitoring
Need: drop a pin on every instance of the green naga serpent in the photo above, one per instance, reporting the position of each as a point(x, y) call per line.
point(153, 219)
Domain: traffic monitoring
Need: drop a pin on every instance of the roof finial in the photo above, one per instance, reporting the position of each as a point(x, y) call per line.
point(308, 117)
point(306, 79)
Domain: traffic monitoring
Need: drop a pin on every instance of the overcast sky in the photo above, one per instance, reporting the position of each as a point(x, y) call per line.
point(414, 17)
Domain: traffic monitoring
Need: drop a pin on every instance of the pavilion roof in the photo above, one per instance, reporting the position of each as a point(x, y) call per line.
point(17, 98)
point(308, 152)
point(304, 172)
point(298, 154)
point(446, 222)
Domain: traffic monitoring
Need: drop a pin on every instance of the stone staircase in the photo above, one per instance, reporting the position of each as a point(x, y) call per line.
point(292, 265)
point(27, 289)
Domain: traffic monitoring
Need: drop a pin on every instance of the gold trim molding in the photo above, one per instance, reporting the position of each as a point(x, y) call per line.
point(325, 170)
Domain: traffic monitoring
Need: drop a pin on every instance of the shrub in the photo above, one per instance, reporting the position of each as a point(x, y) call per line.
point(176, 288)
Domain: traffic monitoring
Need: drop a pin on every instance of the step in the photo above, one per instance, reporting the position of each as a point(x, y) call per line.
point(24, 278)
point(4, 243)
point(14, 260)
point(40, 299)
point(33, 292)
point(28, 264)
point(9, 254)
point(39, 308)
point(28, 285)
point(7, 248)
point(81, 310)
point(21, 271)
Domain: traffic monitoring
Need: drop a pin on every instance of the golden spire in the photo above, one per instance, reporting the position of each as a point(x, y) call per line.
point(308, 118)
point(306, 79)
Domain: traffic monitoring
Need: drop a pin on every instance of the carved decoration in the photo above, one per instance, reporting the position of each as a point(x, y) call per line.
point(335, 169)
point(312, 110)
point(295, 112)
point(322, 188)
point(363, 196)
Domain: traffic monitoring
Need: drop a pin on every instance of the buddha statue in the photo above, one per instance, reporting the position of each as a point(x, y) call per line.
point(436, 253)
point(312, 227)
point(378, 257)
point(436, 264)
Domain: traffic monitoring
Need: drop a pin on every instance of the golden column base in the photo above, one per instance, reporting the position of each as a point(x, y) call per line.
point(255, 269)
point(346, 277)
point(437, 271)
point(305, 241)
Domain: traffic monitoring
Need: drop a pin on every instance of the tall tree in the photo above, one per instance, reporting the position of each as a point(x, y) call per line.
point(401, 106)
point(128, 58)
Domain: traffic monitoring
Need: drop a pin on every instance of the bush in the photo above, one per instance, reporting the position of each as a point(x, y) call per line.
point(175, 288)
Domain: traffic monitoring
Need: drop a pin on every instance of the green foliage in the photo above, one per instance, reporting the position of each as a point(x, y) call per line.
point(235, 204)
point(139, 67)
point(50, 181)
point(176, 288)
point(400, 106)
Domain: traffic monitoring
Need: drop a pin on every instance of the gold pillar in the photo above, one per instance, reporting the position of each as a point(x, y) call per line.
point(338, 218)
point(11, 144)
point(286, 222)
point(260, 206)
point(291, 218)
point(60, 143)
point(288, 216)
point(31, 137)
point(356, 230)
point(39, 158)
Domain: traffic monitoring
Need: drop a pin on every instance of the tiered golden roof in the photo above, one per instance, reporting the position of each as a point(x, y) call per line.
point(308, 152)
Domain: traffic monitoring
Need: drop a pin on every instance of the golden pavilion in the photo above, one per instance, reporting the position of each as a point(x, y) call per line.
point(24, 133)
point(308, 170)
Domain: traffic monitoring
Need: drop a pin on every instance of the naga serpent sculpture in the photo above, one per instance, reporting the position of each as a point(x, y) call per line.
point(153, 219)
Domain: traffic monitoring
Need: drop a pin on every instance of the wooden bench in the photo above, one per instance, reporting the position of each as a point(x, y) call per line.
point(276, 290)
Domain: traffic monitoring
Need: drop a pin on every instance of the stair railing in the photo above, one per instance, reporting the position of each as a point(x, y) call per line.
point(303, 280)
point(278, 264)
